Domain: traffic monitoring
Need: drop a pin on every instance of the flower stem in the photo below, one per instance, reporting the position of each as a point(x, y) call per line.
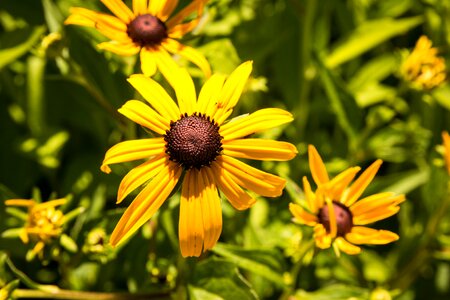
point(67, 294)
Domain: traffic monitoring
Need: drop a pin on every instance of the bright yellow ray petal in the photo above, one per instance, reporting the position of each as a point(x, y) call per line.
point(114, 34)
point(317, 167)
point(119, 8)
point(148, 62)
point(188, 53)
point(321, 237)
point(302, 216)
point(142, 114)
point(156, 96)
point(132, 150)
point(167, 10)
point(209, 94)
point(141, 174)
point(364, 235)
point(212, 211)
point(375, 202)
point(20, 202)
point(232, 90)
point(258, 121)
point(140, 7)
point(358, 187)
point(332, 218)
point(346, 247)
point(336, 186)
point(196, 5)
point(260, 149)
point(262, 183)
point(446, 140)
point(147, 202)
point(81, 16)
point(178, 31)
point(232, 191)
point(314, 203)
point(51, 203)
point(185, 90)
point(167, 66)
point(375, 215)
point(120, 49)
point(155, 6)
point(183, 221)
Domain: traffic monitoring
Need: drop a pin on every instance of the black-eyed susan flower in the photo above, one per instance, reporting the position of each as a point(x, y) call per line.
point(336, 211)
point(194, 138)
point(423, 68)
point(43, 224)
point(149, 29)
point(446, 140)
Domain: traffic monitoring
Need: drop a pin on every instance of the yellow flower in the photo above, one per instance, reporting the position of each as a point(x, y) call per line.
point(446, 139)
point(148, 29)
point(337, 214)
point(43, 223)
point(194, 137)
point(423, 68)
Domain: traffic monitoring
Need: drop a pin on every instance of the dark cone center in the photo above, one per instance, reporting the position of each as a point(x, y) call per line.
point(344, 218)
point(193, 141)
point(147, 30)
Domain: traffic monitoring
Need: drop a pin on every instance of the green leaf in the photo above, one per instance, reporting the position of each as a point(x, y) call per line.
point(334, 292)
point(442, 96)
point(369, 35)
point(68, 243)
point(196, 293)
point(24, 39)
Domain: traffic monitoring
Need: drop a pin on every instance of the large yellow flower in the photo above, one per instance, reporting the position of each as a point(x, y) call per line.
point(446, 139)
point(194, 137)
point(147, 30)
point(337, 214)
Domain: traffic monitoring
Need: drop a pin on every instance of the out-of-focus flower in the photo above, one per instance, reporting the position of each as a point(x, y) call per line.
point(194, 138)
point(44, 222)
point(446, 140)
point(148, 29)
point(336, 212)
point(423, 68)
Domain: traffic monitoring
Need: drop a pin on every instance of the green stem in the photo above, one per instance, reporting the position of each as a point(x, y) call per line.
point(69, 295)
point(35, 94)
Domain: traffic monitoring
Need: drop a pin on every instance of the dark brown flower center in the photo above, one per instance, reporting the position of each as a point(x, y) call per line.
point(193, 141)
point(147, 30)
point(344, 218)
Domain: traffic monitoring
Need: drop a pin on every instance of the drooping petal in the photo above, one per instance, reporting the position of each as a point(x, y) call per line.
point(142, 114)
point(364, 235)
point(188, 53)
point(209, 94)
point(358, 187)
point(302, 216)
point(346, 247)
point(260, 149)
point(332, 217)
point(212, 211)
point(231, 91)
point(317, 167)
point(140, 7)
point(196, 5)
point(81, 16)
point(375, 202)
point(120, 9)
point(232, 191)
point(321, 237)
point(147, 202)
point(258, 121)
point(156, 96)
point(250, 178)
point(148, 61)
point(167, 65)
point(120, 49)
point(132, 150)
point(141, 174)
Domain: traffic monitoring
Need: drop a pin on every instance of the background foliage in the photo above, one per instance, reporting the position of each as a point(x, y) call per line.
point(333, 64)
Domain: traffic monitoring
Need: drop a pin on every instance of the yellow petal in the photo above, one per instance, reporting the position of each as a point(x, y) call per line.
point(332, 217)
point(250, 178)
point(258, 121)
point(178, 31)
point(336, 186)
point(232, 191)
point(132, 150)
point(231, 91)
point(260, 149)
point(148, 62)
point(120, 49)
point(51, 203)
point(113, 33)
point(446, 139)
point(188, 53)
point(347, 247)
point(375, 202)
point(317, 167)
point(167, 66)
point(119, 8)
point(142, 114)
point(185, 90)
point(141, 174)
point(375, 215)
point(358, 187)
point(196, 5)
point(140, 7)
point(212, 211)
point(321, 237)
point(209, 94)
point(81, 16)
point(20, 202)
point(156, 96)
point(302, 216)
point(314, 202)
point(147, 202)
point(364, 235)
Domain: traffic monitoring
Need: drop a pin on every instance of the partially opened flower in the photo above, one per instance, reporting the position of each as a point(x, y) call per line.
point(44, 222)
point(446, 139)
point(336, 211)
point(194, 138)
point(423, 68)
point(148, 29)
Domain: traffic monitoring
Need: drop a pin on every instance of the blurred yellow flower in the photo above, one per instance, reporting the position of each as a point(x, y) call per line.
point(446, 139)
point(148, 29)
point(337, 214)
point(194, 137)
point(44, 221)
point(423, 68)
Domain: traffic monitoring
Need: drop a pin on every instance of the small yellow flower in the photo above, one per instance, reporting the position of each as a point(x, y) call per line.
point(148, 29)
point(336, 212)
point(44, 221)
point(195, 138)
point(446, 139)
point(423, 68)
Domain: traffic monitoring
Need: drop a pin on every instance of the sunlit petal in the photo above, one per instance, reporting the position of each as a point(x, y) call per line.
point(260, 149)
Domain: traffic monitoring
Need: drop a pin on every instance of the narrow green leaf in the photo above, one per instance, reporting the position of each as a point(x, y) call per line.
point(196, 293)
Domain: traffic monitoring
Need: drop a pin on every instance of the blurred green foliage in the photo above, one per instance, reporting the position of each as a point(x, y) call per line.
point(333, 64)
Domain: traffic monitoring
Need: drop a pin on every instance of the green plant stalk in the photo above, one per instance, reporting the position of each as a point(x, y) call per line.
point(35, 94)
point(69, 295)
